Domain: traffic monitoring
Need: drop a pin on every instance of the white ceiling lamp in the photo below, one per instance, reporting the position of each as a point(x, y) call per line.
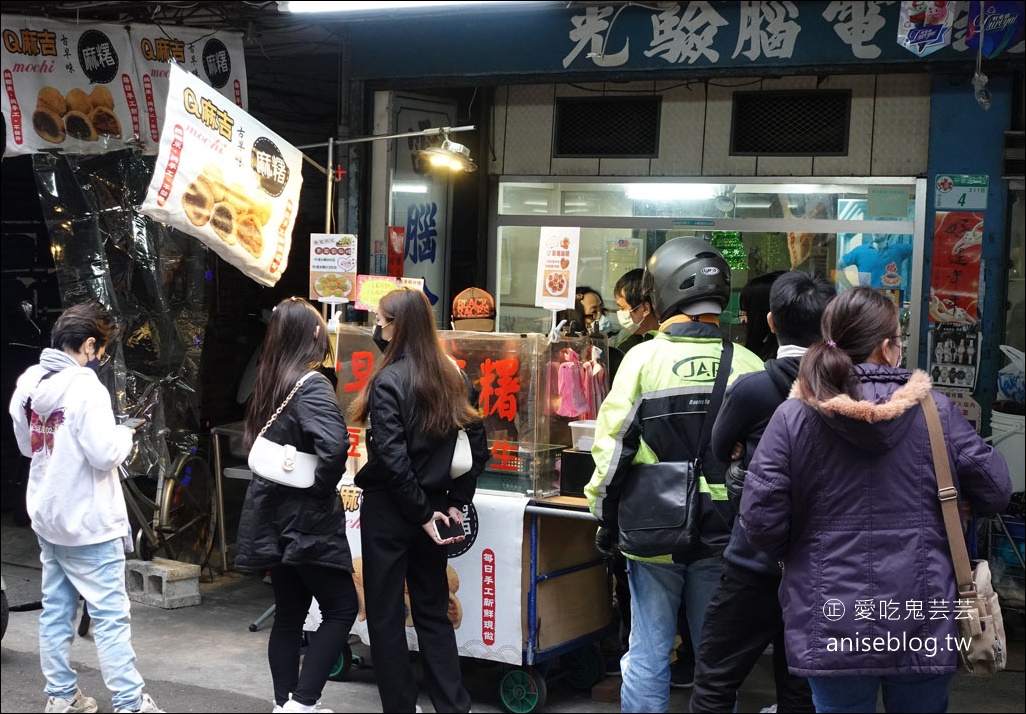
point(724, 203)
point(449, 155)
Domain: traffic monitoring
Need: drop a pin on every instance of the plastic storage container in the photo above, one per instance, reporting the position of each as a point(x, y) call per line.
point(582, 433)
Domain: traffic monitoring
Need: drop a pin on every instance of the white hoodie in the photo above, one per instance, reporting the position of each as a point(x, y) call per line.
point(74, 492)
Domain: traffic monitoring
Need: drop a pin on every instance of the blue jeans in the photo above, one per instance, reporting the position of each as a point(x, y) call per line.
point(906, 693)
point(656, 592)
point(97, 573)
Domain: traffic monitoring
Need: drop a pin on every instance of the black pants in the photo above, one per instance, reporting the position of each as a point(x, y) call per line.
point(294, 587)
point(743, 618)
point(396, 550)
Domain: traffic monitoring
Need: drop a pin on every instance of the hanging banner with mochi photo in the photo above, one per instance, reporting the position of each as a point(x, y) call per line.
point(226, 179)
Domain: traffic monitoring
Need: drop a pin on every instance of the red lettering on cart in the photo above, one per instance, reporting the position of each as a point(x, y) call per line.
point(505, 455)
point(500, 385)
point(363, 365)
point(354, 441)
point(488, 596)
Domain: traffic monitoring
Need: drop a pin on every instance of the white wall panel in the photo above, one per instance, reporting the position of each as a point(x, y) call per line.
point(681, 129)
point(716, 158)
point(529, 130)
point(901, 125)
point(785, 165)
point(860, 128)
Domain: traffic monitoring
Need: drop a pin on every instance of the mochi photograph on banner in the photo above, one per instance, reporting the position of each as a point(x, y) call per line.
point(225, 178)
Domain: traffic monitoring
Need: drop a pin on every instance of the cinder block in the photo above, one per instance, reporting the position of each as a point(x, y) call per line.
point(165, 583)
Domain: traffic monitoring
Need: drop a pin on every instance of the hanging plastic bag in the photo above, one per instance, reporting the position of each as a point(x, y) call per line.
point(1011, 381)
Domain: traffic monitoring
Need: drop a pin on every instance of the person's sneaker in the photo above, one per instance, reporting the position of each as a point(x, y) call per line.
point(77, 703)
point(293, 706)
point(148, 706)
point(682, 676)
point(772, 709)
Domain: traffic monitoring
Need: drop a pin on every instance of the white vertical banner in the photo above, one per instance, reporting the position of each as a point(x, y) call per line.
point(484, 574)
point(558, 249)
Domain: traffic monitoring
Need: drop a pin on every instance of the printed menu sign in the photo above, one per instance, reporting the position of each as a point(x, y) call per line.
point(332, 266)
point(557, 268)
point(226, 179)
point(68, 86)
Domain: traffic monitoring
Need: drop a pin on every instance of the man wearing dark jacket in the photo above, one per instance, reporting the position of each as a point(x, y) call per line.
point(744, 614)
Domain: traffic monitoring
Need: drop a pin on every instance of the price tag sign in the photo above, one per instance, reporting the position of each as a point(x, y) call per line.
point(967, 192)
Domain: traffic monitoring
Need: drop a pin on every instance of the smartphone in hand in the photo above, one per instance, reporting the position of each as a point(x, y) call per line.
point(453, 530)
point(133, 422)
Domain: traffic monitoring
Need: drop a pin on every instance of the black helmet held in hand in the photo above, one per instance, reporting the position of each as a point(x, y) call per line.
point(687, 275)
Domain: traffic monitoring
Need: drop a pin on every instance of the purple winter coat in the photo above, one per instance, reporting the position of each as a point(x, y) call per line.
point(844, 493)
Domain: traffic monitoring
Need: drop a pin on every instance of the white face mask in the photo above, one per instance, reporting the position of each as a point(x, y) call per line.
point(626, 321)
point(603, 324)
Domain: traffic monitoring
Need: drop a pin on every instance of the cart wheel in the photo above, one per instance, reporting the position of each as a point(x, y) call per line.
point(340, 672)
point(583, 667)
point(522, 691)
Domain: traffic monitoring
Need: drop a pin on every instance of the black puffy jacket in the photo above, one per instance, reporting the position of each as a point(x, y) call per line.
point(411, 465)
point(281, 525)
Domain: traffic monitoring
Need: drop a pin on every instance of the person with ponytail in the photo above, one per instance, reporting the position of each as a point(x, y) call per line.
point(413, 405)
point(842, 491)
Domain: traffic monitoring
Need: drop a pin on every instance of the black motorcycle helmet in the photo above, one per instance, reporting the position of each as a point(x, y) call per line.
point(687, 275)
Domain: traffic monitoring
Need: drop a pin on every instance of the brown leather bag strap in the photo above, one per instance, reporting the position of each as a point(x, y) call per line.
point(949, 501)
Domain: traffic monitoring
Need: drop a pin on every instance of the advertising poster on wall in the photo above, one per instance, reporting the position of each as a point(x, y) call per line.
point(954, 355)
point(332, 266)
point(68, 87)
point(955, 276)
point(925, 27)
point(557, 268)
point(226, 179)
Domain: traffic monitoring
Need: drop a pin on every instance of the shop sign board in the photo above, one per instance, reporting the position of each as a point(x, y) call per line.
point(225, 178)
point(961, 192)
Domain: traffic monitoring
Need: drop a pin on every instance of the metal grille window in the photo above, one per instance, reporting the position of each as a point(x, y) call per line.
point(812, 123)
point(607, 127)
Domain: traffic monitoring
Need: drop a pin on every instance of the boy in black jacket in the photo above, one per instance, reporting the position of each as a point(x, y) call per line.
point(744, 615)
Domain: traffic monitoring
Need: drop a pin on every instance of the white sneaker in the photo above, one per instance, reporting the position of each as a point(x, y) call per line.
point(293, 706)
point(769, 710)
point(78, 703)
point(148, 706)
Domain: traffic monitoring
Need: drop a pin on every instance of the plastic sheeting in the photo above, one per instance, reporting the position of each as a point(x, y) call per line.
point(157, 281)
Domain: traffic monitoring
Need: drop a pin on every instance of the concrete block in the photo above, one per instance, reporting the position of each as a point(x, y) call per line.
point(165, 583)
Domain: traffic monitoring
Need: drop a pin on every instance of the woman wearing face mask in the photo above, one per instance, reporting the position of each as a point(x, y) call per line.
point(414, 404)
point(64, 422)
point(842, 490)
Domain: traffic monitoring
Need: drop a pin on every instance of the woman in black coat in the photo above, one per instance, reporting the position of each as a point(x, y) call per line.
point(415, 403)
point(299, 534)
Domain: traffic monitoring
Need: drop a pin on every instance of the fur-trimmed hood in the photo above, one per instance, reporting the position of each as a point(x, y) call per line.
point(881, 418)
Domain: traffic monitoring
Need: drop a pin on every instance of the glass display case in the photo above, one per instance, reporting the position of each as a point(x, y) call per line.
point(856, 231)
point(529, 390)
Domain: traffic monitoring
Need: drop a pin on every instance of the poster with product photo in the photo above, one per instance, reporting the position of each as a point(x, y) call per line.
point(333, 266)
point(955, 274)
point(68, 87)
point(954, 356)
point(557, 268)
point(225, 178)
point(216, 56)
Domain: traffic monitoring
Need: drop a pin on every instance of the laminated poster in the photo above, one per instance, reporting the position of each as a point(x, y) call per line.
point(953, 356)
point(68, 87)
point(226, 179)
point(955, 275)
point(925, 27)
point(215, 56)
point(333, 266)
point(557, 268)
point(999, 27)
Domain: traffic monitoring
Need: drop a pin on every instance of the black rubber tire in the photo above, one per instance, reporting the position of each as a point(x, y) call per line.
point(5, 612)
point(344, 665)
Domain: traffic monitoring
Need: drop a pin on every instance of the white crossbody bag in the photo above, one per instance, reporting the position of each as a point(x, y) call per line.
point(283, 463)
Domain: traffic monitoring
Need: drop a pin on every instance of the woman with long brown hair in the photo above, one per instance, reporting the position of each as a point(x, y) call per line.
point(414, 405)
point(842, 490)
point(299, 534)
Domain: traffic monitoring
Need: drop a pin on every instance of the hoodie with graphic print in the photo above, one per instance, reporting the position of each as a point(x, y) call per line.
point(74, 494)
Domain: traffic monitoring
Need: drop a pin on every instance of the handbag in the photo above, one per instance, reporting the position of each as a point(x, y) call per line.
point(282, 463)
point(981, 629)
point(462, 458)
point(660, 508)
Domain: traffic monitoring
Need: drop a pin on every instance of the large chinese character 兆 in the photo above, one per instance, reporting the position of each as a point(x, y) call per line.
point(499, 387)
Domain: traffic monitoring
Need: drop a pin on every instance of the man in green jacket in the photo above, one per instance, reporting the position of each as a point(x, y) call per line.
point(654, 414)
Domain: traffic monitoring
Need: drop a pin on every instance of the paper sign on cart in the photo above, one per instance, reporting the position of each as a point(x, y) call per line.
point(226, 179)
point(557, 268)
point(332, 266)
